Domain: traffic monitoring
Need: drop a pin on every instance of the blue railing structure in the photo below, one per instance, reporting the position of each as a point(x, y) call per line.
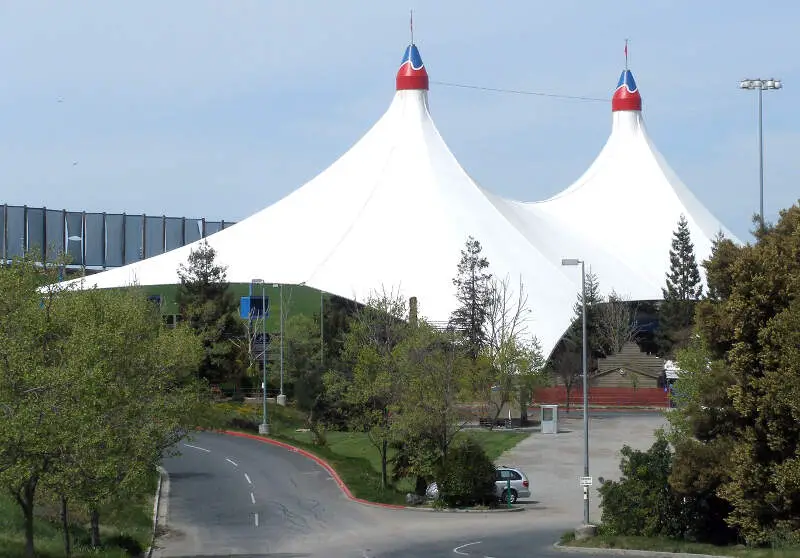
point(96, 240)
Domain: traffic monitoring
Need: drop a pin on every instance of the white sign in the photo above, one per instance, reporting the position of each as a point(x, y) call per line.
point(586, 481)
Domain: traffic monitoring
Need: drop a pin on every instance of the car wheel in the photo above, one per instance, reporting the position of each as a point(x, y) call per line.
point(504, 497)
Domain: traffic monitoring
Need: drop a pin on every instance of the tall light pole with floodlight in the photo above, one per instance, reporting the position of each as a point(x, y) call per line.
point(571, 262)
point(263, 428)
point(761, 85)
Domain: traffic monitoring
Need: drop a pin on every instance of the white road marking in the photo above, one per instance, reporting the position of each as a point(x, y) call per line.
point(457, 549)
point(231, 462)
point(256, 519)
point(252, 497)
point(248, 479)
point(197, 448)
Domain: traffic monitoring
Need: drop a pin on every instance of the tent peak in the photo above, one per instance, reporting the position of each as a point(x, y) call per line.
point(626, 96)
point(412, 73)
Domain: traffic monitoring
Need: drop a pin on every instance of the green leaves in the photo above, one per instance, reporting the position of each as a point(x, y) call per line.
point(738, 417)
point(93, 388)
point(210, 309)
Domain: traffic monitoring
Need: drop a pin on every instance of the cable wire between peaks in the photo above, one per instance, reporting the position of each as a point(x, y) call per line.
point(521, 92)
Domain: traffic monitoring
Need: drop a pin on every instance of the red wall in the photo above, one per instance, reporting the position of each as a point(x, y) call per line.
point(604, 396)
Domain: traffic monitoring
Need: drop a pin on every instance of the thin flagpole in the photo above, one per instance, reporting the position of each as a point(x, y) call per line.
point(626, 54)
point(411, 25)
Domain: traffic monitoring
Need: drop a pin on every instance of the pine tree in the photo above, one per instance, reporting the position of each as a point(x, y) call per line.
point(472, 292)
point(683, 290)
point(207, 304)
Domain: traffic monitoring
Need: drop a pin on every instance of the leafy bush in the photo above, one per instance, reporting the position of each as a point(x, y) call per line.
point(642, 503)
point(466, 476)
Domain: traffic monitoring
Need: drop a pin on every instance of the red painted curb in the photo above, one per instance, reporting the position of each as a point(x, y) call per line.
point(321, 462)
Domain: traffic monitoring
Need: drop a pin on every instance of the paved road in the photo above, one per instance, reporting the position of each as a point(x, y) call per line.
point(231, 496)
point(509, 545)
point(239, 496)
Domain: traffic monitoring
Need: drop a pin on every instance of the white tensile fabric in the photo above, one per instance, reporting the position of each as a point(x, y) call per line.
point(620, 215)
point(394, 212)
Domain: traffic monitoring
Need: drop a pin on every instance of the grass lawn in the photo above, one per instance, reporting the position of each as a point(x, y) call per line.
point(352, 454)
point(124, 533)
point(672, 545)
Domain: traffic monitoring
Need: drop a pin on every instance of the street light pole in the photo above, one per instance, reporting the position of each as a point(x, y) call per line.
point(760, 85)
point(263, 428)
point(584, 351)
point(281, 339)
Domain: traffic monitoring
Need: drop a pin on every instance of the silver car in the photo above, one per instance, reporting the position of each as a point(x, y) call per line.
point(520, 487)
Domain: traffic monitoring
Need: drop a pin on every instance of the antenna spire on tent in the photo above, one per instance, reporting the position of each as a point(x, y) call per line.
point(626, 54)
point(412, 26)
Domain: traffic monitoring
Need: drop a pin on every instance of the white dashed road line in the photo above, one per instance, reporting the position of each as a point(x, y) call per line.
point(248, 479)
point(256, 520)
point(252, 497)
point(232, 462)
point(197, 448)
point(457, 549)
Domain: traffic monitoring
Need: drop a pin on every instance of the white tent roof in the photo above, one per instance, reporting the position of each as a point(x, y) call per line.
point(620, 215)
point(393, 212)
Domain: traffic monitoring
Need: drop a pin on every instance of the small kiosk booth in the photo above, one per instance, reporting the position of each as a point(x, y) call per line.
point(549, 419)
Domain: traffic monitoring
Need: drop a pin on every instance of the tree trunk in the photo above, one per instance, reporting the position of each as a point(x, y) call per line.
point(384, 459)
point(25, 500)
point(95, 519)
point(65, 527)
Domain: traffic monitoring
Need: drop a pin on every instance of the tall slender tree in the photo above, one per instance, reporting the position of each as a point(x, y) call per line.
point(206, 302)
point(682, 291)
point(473, 292)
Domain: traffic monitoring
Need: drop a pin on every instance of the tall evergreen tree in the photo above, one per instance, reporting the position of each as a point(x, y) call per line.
point(207, 304)
point(473, 294)
point(682, 291)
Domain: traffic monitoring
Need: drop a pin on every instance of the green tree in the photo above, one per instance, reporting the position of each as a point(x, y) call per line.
point(207, 304)
point(467, 476)
point(473, 295)
point(641, 502)
point(683, 289)
point(302, 359)
point(33, 331)
point(760, 323)
point(703, 429)
point(140, 376)
point(434, 383)
point(373, 389)
point(740, 401)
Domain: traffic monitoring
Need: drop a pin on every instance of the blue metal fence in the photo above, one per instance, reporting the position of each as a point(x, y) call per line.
point(96, 240)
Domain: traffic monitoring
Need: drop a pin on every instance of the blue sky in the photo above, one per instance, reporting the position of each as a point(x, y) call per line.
point(217, 109)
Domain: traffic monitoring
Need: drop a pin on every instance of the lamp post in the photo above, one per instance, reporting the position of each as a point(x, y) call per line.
point(760, 85)
point(263, 428)
point(281, 395)
point(584, 344)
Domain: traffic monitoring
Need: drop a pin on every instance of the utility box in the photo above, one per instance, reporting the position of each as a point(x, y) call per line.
point(549, 419)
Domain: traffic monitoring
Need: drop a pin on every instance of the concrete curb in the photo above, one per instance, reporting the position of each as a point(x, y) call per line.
point(162, 473)
point(342, 486)
point(630, 552)
point(456, 510)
